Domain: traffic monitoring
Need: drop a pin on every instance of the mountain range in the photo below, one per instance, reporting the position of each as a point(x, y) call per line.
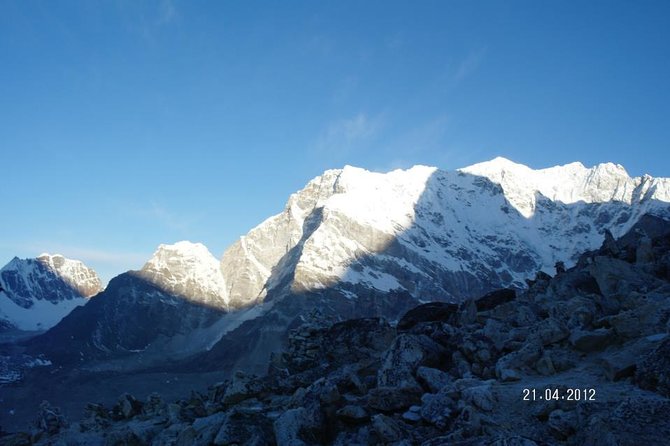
point(351, 243)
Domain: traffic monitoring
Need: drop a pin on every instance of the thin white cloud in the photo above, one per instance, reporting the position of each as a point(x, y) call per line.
point(344, 135)
point(161, 215)
point(469, 65)
point(167, 12)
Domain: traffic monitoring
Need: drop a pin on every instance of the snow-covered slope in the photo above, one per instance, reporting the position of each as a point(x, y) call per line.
point(37, 293)
point(187, 270)
point(436, 234)
point(355, 243)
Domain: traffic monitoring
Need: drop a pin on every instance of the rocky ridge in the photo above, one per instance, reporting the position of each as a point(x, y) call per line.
point(592, 341)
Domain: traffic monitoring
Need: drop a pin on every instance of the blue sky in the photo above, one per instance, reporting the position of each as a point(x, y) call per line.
point(125, 124)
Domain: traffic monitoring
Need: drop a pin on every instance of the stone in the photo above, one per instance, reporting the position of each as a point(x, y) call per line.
point(350, 341)
point(591, 341)
point(206, 429)
point(507, 367)
point(550, 331)
point(386, 428)
point(154, 406)
point(433, 379)
point(288, 426)
point(480, 396)
point(404, 356)
point(126, 407)
point(393, 399)
point(467, 312)
point(50, 419)
point(562, 423)
point(616, 276)
point(238, 428)
point(495, 298)
point(544, 365)
point(96, 418)
point(430, 312)
point(653, 372)
point(242, 387)
point(437, 408)
point(353, 414)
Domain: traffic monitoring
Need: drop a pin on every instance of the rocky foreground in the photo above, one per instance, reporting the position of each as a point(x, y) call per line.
point(581, 358)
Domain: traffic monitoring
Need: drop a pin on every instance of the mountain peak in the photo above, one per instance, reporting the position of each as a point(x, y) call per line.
point(42, 290)
point(188, 270)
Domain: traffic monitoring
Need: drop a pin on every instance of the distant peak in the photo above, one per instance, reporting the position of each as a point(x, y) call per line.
point(498, 163)
point(183, 245)
point(611, 168)
point(183, 249)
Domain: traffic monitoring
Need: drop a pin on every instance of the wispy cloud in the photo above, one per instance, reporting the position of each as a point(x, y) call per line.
point(469, 65)
point(167, 12)
point(160, 214)
point(344, 135)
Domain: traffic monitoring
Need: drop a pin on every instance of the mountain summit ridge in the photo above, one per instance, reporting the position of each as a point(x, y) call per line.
point(499, 202)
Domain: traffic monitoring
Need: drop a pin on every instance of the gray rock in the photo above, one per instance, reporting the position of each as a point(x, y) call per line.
point(507, 367)
point(393, 399)
point(433, 379)
point(404, 356)
point(653, 372)
point(242, 387)
point(480, 396)
point(591, 341)
point(353, 414)
point(562, 423)
point(288, 426)
point(386, 428)
point(437, 408)
point(206, 429)
point(243, 429)
point(550, 331)
point(50, 419)
point(127, 406)
point(545, 365)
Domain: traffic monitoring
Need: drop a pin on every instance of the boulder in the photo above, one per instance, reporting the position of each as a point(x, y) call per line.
point(437, 408)
point(433, 379)
point(498, 297)
point(481, 396)
point(393, 399)
point(288, 427)
point(242, 387)
point(404, 356)
point(563, 424)
point(591, 341)
point(430, 312)
point(508, 367)
point(653, 372)
point(126, 407)
point(353, 414)
point(386, 428)
point(238, 428)
point(357, 339)
point(50, 420)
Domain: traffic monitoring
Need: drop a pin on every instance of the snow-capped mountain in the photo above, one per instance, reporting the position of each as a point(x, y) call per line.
point(38, 292)
point(178, 291)
point(355, 243)
point(437, 234)
point(187, 270)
